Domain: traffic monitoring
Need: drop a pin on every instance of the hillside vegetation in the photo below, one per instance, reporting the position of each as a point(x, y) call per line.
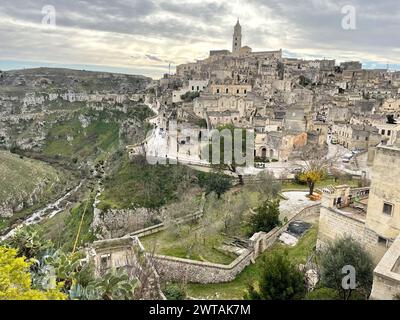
point(22, 176)
point(137, 184)
point(25, 182)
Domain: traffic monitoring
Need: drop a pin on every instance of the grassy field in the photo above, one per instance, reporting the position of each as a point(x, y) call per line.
point(184, 246)
point(63, 228)
point(235, 290)
point(222, 219)
point(21, 176)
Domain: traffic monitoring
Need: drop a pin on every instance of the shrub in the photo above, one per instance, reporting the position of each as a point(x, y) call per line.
point(174, 292)
point(266, 217)
point(281, 280)
point(346, 252)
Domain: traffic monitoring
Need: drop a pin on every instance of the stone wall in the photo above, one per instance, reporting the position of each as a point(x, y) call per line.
point(385, 288)
point(161, 226)
point(177, 269)
point(387, 274)
point(333, 224)
point(171, 268)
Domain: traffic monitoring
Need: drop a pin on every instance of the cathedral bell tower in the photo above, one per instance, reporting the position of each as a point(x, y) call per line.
point(237, 38)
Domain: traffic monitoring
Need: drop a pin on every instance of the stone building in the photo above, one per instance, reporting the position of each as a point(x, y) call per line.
point(371, 217)
point(231, 89)
point(192, 86)
point(356, 136)
point(278, 145)
point(351, 65)
point(388, 132)
point(127, 254)
point(391, 106)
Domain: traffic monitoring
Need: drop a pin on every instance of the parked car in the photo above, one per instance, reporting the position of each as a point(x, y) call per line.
point(296, 170)
point(347, 157)
point(356, 151)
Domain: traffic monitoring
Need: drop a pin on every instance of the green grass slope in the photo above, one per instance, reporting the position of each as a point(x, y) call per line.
point(19, 177)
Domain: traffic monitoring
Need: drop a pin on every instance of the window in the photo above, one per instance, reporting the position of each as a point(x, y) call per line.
point(227, 90)
point(383, 132)
point(389, 132)
point(245, 91)
point(198, 88)
point(192, 88)
point(217, 90)
point(387, 208)
point(382, 241)
point(105, 261)
point(237, 91)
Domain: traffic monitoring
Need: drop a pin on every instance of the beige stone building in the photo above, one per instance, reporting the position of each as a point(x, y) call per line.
point(356, 136)
point(278, 145)
point(388, 132)
point(240, 90)
point(371, 217)
point(391, 106)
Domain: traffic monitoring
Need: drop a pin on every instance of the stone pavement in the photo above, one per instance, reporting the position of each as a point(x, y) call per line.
point(297, 201)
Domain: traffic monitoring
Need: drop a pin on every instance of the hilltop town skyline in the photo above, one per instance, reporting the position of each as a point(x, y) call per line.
point(200, 150)
point(145, 37)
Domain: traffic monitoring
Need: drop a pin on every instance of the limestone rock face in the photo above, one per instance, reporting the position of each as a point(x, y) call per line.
point(6, 212)
point(115, 223)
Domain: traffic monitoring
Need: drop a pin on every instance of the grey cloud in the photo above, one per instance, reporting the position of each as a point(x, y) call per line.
point(186, 27)
point(121, 16)
point(318, 23)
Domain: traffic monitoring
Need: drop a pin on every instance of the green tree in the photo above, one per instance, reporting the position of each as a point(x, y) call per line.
point(216, 182)
point(280, 280)
point(15, 279)
point(346, 252)
point(265, 217)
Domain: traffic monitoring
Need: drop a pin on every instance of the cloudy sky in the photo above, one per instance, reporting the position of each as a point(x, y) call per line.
point(145, 36)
